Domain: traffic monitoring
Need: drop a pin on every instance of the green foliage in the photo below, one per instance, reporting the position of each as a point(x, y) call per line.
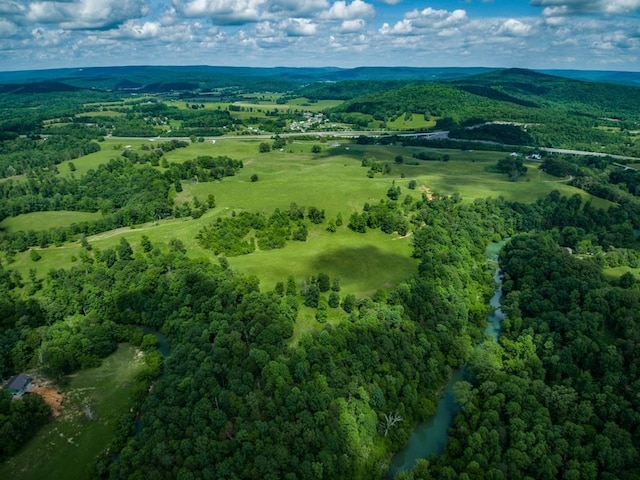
point(513, 166)
point(34, 255)
point(264, 147)
point(315, 215)
point(334, 299)
point(20, 420)
point(526, 385)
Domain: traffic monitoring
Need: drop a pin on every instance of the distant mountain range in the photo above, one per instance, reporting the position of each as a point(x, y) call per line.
point(166, 78)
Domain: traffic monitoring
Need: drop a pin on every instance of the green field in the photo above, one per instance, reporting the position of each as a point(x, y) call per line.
point(333, 180)
point(46, 220)
point(65, 447)
point(264, 105)
point(615, 273)
point(110, 148)
point(415, 121)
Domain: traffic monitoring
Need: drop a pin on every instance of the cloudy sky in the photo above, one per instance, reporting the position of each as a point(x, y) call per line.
point(575, 34)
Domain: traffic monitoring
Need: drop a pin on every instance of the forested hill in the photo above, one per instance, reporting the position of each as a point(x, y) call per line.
point(205, 77)
point(276, 79)
point(531, 88)
point(506, 95)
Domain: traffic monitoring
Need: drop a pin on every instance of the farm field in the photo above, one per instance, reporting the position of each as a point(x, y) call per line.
point(66, 446)
point(333, 180)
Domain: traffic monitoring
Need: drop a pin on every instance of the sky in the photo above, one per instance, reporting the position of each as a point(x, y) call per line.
point(539, 34)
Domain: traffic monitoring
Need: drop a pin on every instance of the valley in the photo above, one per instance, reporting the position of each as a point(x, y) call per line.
point(312, 249)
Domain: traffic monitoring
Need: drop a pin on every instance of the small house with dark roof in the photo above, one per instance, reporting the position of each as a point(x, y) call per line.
point(18, 385)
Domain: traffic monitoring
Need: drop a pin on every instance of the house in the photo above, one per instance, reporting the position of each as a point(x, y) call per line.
point(18, 385)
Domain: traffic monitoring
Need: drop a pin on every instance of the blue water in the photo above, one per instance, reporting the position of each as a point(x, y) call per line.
point(430, 437)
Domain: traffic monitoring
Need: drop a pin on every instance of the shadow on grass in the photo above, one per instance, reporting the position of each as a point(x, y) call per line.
point(364, 264)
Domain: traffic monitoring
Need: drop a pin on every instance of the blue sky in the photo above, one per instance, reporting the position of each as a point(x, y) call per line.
point(573, 34)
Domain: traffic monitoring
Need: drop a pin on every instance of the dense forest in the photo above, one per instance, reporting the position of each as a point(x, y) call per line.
point(243, 392)
point(558, 396)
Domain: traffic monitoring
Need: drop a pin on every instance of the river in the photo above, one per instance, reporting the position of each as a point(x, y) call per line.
point(430, 436)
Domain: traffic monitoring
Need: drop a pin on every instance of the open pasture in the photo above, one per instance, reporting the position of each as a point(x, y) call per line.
point(415, 121)
point(109, 148)
point(333, 180)
point(614, 273)
point(45, 220)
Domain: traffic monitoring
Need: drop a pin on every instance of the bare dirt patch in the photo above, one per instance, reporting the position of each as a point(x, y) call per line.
point(50, 395)
point(427, 191)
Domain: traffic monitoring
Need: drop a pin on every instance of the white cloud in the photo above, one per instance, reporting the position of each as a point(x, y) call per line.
point(340, 10)
point(297, 8)
point(7, 28)
point(223, 12)
point(86, 14)
point(432, 18)
point(139, 30)
point(316, 32)
point(45, 37)
point(572, 7)
point(419, 22)
point(11, 8)
point(402, 27)
point(300, 27)
point(515, 28)
point(352, 26)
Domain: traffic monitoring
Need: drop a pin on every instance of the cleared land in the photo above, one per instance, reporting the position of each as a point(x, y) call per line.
point(45, 220)
point(332, 180)
point(70, 442)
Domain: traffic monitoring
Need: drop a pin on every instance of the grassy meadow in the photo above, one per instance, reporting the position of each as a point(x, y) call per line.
point(45, 220)
point(332, 180)
point(69, 443)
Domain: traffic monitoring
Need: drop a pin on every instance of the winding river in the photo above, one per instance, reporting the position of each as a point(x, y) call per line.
point(430, 436)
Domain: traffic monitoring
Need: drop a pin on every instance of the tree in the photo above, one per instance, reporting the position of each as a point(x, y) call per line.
point(322, 311)
point(300, 233)
point(292, 288)
point(312, 295)
point(34, 255)
point(264, 147)
point(394, 192)
point(279, 142)
point(124, 250)
point(316, 149)
point(324, 282)
point(399, 159)
point(334, 300)
point(390, 420)
point(512, 166)
point(84, 242)
point(315, 215)
point(177, 246)
point(146, 244)
point(254, 177)
point(349, 303)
